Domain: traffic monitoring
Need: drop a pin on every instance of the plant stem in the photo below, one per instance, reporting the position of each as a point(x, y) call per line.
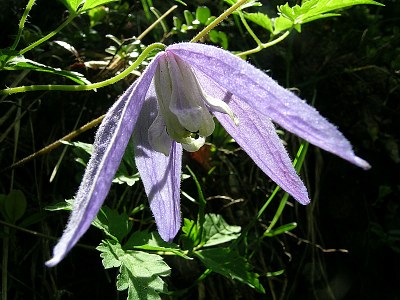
point(57, 143)
point(77, 88)
point(265, 45)
point(22, 23)
point(218, 20)
point(50, 35)
point(142, 35)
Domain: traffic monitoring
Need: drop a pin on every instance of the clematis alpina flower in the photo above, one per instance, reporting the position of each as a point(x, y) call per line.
point(170, 107)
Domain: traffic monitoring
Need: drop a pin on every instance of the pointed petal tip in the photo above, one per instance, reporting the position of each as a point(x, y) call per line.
point(302, 197)
point(53, 261)
point(361, 163)
point(167, 236)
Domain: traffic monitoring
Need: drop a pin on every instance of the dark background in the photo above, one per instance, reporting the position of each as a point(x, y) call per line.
point(350, 65)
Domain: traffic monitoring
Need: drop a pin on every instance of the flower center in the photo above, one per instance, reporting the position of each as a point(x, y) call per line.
point(184, 108)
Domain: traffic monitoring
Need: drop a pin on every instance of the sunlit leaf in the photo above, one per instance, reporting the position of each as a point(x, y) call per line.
point(21, 63)
point(139, 272)
point(260, 19)
point(230, 264)
point(89, 4)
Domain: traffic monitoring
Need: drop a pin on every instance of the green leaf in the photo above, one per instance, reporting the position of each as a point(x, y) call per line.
point(65, 205)
point(89, 4)
point(112, 223)
point(312, 10)
point(281, 229)
point(152, 242)
point(216, 231)
point(72, 5)
point(188, 17)
point(202, 14)
point(230, 264)
point(260, 19)
point(13, 205)
point(191, 235)
point(250, 3)
point(123, 175)
point(21, 63)
point(219, 37)
point(139, 272)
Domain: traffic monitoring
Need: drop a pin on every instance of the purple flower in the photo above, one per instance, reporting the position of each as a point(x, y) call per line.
point(170, 107)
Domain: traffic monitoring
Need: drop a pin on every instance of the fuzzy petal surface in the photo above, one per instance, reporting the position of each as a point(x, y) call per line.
point(161, 174)
point(257, 136)
point(264, 95)
point(110, 143)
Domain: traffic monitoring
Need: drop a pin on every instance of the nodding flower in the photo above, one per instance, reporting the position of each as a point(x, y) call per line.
point(171, 107)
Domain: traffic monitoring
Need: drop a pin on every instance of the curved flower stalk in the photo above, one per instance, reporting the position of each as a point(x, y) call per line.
point(170, 107)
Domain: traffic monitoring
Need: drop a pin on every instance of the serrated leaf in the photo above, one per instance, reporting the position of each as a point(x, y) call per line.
point(230, 264)
point(112, 223)
point(312, 10)
point(281, 24)
point(21, 63)
point(89, 4)
point(139, 272)
point(216, 231)
point(260, 19)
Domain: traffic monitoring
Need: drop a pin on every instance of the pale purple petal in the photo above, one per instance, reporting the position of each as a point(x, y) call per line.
point(257, 136)
point(110, 143)
point(264, 95)
point(160, 174)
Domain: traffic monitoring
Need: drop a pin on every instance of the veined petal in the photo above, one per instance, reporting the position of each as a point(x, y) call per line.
point(111, 140)
point(257, 136)
point(264, 95)
point(160, 174)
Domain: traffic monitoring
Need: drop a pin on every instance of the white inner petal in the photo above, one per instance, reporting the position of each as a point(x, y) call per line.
point(184, 107)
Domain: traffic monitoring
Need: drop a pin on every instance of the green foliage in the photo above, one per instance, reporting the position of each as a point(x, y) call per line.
point(229, 263)
point(83, 5)
point(126, 174)
point(139, 272)
point(13, 206)
point(214, 231)
point(15, 62)
point(311, 10)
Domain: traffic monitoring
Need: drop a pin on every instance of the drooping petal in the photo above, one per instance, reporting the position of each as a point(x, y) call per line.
point(257, 136)
point(111, 140)
point(265, 96)
point(160, 174)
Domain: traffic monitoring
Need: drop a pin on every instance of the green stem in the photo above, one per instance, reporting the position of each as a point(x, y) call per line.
point(249, 30)
point(218, 20)
point(77, 88)
point(22, 23)
point(50, 35)
point(265, 45)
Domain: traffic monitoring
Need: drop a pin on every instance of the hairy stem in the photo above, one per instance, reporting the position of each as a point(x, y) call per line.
point(22, 23)
point(50, 35)
point(218, 20)
point(77, 88)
